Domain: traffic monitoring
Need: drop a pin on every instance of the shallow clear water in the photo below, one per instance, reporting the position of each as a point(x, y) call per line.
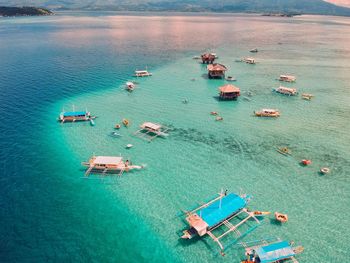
point(49, 213)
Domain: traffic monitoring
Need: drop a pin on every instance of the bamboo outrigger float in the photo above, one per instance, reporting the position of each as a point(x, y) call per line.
point(219, 212)
point(270, 251)
point(150, 130)
point(109, 164)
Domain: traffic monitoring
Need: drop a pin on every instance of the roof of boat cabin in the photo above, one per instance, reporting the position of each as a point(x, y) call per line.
point(151, 125)
point(269, 110)
point(141, 71)
point(216, 212)
point(287, 76)
point(274, 252)
point(73, 113)
point(229, 88)
point(285, 88)
point(216, 67)
point(107, 160)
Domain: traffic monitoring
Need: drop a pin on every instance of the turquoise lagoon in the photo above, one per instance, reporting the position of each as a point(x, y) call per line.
point(49, 212)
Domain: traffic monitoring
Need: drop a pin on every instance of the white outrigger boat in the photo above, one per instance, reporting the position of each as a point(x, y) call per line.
point(142, 73)
point(287, 78)
point(223, 210)
point(150, 130)
point(249, 60)
point(111, 164)
point(286, 91)
point(270, 251)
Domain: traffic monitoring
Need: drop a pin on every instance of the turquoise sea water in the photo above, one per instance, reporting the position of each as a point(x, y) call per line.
point(49, 213)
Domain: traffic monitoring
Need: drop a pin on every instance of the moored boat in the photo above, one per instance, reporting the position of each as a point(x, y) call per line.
point(230, 78)
point(306, 162)
point(105, 164)
point(286, 91)
point(142, 73)
point(249, 60)
point(325, 170)
point(255, 50)
point(150, 130)
point(130, 86)
point(267, 113)
point(126, 122)
point(284, 151)
point(261, 213)
point(307, 96)
point(287, 78)
point(73, 116)
point(220, 211)
point(264, 251)
point(281, 217)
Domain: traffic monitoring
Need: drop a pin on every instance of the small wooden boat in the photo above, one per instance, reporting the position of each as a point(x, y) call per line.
point(130, 86)
point(261, 213)
point(230, 78)
point(214, 113)
point(115, 134)
point(126, 122)
point(196, 57)
point(128, 146)
point(255, 50)
point(306, 162)
point(325, 170)
point(117, 126)
point(284, 151)
point(307, 96)
point(219, 118)
point(249, 60)
point(281, 217)
point(267, 113)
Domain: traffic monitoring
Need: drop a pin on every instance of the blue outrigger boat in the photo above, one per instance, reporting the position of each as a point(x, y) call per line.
point(219, 212)
point(269, 252)
point(72, 116)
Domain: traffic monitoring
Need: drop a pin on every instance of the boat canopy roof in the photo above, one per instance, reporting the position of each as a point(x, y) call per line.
point(287, 76)
point(107, 160)
point(74, 113)
point(274, 252)
point(219, 210)
point(151, 125)
point(141, 71)
point(268, 110)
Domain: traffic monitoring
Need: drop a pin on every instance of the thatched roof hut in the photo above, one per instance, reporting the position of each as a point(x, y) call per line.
point(216, 70)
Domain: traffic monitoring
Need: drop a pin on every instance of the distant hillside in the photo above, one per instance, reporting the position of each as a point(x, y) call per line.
point(24, 11)
point(251, 6)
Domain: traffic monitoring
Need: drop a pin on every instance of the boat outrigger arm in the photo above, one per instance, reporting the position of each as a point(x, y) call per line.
point(218, 212)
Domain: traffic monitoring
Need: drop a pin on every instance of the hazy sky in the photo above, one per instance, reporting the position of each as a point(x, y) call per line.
point(340, 2)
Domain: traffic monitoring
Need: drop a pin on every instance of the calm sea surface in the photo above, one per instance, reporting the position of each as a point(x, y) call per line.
point(49, 213)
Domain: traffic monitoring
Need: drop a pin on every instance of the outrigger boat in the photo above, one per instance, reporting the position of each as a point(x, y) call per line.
point(284, 151)
point(126, 122)
point(267, 113)
point(73, 116)
point(221, 211)
point(150, 130)
point(307, 96)
point(287, 78)
point(275, 251)
point(283, 218)
point(112, 164)
point(249, 60)
point(142, 73)
point(286, 91)
point(261, 213)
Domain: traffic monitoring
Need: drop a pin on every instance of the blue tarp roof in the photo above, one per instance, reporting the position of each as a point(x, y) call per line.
point(214, 213)
point(73, 113)
point(276, 251)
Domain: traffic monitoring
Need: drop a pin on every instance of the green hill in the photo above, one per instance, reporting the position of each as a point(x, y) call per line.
point(24, 11)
